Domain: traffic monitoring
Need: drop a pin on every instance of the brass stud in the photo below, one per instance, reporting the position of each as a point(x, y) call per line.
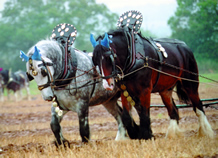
point(57, 109)
point(123, 87)
point(138, 16)
point(130, 14)
point(158, 44)
point(162, 49)
point(125, 93)
point(54, 104)
point(67, 29)
point(63, 26)
point(35, 73)
point(73, 34)
point(53, 35)
point(165, 54)
point(60, 112)
point(129, 99)
point(62, 33)
point(132, 103)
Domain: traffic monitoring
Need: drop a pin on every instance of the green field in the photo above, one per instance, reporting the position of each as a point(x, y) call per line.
point(213, 76)
point(34, 90)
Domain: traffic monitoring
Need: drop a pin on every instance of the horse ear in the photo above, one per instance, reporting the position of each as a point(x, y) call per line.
point(93, 41)
point(24, 56)
point(36, 55)
point(105, 41)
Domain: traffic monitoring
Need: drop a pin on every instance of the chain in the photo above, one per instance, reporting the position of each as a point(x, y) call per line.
point(175, 67)
point(146, 65)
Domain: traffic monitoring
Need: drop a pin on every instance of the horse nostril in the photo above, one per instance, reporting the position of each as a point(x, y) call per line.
point(50, 98)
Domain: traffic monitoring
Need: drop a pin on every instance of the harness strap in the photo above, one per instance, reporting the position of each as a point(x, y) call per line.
point(160, 59)
point(133, 51)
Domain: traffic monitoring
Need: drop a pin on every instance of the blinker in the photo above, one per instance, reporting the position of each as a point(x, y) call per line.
point(43, 71)
point(29, 76)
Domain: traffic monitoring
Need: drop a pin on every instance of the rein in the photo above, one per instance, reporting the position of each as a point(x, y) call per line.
point(71, 78)
point(120, 77)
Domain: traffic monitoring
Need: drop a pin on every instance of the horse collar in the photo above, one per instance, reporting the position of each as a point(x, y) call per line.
point(65, 35)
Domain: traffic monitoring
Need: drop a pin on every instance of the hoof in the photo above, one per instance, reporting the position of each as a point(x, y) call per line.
point(65, 143)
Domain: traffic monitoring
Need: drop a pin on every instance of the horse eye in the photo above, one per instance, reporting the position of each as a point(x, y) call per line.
point(43, 71)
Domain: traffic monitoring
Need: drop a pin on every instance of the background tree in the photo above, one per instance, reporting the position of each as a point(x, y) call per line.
point(196, 23)
point(24, 22)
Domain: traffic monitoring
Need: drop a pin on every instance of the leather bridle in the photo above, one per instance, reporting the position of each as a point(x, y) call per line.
point(48, 73)
point(112, 57)
point(45, 71)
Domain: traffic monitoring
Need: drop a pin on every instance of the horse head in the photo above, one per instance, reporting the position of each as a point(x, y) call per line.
point(40, 68)
point(105, 55)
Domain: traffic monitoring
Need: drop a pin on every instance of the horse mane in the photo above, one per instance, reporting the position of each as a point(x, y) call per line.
point(99, 49)
point(52, 50)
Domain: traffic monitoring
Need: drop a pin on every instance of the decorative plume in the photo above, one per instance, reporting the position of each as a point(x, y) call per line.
point(105, 42)
point(23, 56)
point(93, 41)
point(36, 55)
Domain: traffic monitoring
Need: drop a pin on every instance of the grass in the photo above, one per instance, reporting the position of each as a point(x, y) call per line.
point(213, 76)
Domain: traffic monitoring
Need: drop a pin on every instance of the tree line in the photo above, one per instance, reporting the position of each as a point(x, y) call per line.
point(24, 22)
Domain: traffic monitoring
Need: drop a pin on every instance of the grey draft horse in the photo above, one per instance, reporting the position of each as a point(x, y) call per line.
point(44, 65)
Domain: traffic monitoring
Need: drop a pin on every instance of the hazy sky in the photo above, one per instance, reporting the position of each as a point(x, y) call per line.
point(155, 12)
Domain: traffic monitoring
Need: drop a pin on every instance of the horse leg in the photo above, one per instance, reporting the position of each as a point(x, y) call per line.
point(56, 127)
point(21, 95)
point(143, 109)
point(115, 110)
point(84, 122)
point(27, 91)
point(16, 95)
point(2, 94)
point(205, 128)
point(130, 125)
point(8, 94)
point(173, 129)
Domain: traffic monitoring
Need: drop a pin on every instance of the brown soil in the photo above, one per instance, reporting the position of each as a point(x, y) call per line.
point(24, 125)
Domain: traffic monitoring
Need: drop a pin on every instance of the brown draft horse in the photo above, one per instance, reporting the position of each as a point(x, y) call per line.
point(147, 72)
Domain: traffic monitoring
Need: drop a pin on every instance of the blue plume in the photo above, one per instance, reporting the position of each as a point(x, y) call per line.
point(105, 41)
point(23, 56)
point(93, 41)
point(36, 55)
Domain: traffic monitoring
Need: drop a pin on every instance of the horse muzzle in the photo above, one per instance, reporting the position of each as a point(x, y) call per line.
point(109, 84)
